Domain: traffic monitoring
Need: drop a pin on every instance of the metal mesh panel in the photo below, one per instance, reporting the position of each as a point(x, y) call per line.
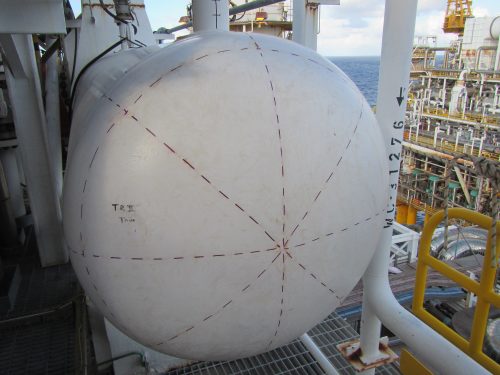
point(290, 359)
point(44, 344)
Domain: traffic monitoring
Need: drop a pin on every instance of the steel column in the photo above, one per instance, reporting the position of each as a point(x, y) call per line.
point(210, 15)
point(53, 122)
point(29, 118)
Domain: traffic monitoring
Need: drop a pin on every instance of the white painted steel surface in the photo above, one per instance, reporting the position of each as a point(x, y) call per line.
point(32, 17)
point(378, 300)
point(404, 245)
point(205, 220)
point(305, 23)
point(495, 34)
point(495, 28)
point(25, 93)
point(209, 15)
point(53, 122)
point(318, 355)
point(98, 31)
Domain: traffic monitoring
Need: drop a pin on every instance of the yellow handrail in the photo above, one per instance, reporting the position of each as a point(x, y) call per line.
point(484, 289)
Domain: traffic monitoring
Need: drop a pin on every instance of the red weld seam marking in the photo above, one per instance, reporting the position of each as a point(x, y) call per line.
point(223, 307)
point(338, 163)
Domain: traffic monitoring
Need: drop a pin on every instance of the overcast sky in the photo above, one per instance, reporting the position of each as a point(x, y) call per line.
point(351, 29)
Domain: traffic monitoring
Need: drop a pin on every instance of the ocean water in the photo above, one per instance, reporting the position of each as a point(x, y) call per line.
point(363, 70)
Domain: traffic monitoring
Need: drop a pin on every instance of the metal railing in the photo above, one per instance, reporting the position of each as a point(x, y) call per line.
point(404, 246)
point(468, 116)
point(484, 289)
point(449, 147)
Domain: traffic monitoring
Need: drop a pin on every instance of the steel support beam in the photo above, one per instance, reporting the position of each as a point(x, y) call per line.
point(29, 119)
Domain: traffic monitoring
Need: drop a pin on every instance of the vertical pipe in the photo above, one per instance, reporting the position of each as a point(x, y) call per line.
point(395, 62)
point(123, 12)
point(299, 20)
point(210, 15)
point(378, 300)
point(305, 23)
point(312, 22)
point(497, 58)
point(444, 92)
point(122, 27)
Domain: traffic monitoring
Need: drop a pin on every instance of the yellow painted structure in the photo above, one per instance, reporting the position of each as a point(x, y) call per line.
point(406, 213)
point(401, 213)
point(409, 365)
point(456, 13)
point(426, 218)
point(484, 289)
point(412, 215)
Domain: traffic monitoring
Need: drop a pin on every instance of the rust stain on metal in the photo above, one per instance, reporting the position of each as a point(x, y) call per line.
point(351, 351)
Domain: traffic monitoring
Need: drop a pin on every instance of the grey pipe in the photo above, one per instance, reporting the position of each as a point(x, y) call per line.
point(234, 10)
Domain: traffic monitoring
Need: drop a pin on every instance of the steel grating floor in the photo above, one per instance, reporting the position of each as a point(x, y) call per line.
point(292, 359)
point(46, 344)
point(35, 338)
point(44, 348)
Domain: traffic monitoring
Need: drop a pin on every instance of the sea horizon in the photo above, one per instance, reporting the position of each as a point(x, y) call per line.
point(363, 70)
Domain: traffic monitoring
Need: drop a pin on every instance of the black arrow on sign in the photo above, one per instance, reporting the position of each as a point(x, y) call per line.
point(400, 97)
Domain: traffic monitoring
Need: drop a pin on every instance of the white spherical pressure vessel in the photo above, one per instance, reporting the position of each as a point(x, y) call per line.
point(223, 195)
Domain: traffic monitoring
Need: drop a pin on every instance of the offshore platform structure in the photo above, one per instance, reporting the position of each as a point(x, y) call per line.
point(152, 284)
point(453, 110)
point(457, 12)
